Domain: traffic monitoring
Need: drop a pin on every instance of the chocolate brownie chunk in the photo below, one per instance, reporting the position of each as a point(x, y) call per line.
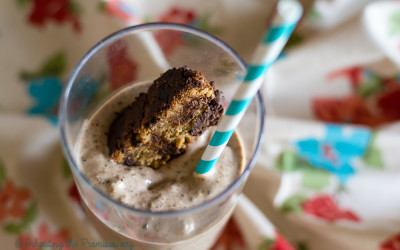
point(178, 107)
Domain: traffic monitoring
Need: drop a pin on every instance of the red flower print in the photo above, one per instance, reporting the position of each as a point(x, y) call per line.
point(23, 238)
point(389, 101)
point(44, 236)
point(121, 10)
point(374, 100)
point(392, 243)
point(231, 237)
point(280, 243)
point(74, 193)
point(178, 15)
point(326, 208)
point(60, 11)
point(276, 243)
point(170, 40)
point(353, 73)
point(12, 200)
point(123, 69)
point(351, 109)
point(329, 153)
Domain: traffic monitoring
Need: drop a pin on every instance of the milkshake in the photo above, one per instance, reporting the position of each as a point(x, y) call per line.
point(172, 186)
point(164, 206)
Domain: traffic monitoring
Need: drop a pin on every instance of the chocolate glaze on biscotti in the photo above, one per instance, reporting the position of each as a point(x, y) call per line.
point(179, 106)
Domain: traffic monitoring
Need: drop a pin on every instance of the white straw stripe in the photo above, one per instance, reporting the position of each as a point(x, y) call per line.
point(229, 122)
point(259, 56)
point(213, 152)
point(244, 92)
point(290, 10)
point(264, 54)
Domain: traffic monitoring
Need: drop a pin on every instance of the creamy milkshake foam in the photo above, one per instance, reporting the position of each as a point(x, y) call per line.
point(173, 186)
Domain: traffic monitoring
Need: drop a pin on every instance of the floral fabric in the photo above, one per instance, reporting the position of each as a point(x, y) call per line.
point(328, 175)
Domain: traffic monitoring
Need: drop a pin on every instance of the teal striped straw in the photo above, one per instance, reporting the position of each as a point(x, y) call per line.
point(287, 16)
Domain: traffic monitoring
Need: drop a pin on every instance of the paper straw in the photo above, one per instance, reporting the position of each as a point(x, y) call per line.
point(157, 60)
point(287, 16)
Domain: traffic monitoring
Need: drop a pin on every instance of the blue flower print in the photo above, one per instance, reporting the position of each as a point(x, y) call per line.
point(46, 92)
point(45, 86)
point(336, 151)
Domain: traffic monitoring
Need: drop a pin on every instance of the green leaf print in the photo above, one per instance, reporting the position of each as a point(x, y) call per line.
point(267, 244)
point(293, 204)
point(75, 8)
point(66, 171)
point(147, 19)
point(314, 15)
point(289, 161)
point(312, 177)
point(54, 66)
point(3, 174)
point(286, 161)
point(204, 24)
point(369, 87)
point(372, 157)
point(394, 23)
point(315, 179)
point(294, 40)
point(22, 3)
point(226, 67)
point(29, 217)
point(302, 246)
point(13, 228)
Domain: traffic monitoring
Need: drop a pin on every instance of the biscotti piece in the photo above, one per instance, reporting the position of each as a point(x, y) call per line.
point(179, 106)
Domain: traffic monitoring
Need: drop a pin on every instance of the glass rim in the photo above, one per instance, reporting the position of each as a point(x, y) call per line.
point(154, 26)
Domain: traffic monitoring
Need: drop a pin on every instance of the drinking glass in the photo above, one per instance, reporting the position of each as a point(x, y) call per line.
point(141, 53)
